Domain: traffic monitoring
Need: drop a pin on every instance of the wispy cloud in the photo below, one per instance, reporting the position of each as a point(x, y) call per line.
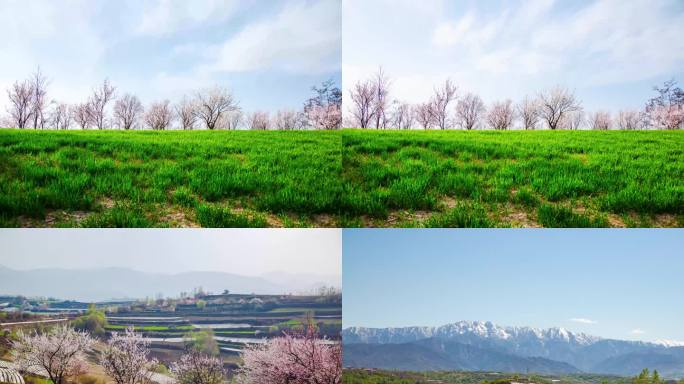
point(583, 320)
point(164, 17)
point(637, 331)
point(302, 37)
point(161, 49)
point(509, 49)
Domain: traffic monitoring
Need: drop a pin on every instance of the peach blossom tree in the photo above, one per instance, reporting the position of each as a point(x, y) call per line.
point(59, 354)
point(198, 368)
point(292, 359)
point(126, 358)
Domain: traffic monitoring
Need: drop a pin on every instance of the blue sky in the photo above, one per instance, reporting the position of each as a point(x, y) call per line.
point(611, 52)
point(269, 53)
point(625, 284)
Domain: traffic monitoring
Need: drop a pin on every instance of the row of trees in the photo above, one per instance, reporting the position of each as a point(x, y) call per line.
point(555, 108)
point(213, 108)
point(61, 355)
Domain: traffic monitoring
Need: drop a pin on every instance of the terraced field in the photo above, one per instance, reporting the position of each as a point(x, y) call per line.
point(234, 321)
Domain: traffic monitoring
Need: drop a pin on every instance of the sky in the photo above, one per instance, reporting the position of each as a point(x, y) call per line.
point(610, 52)
point(623, 284)
point(268, 53)
point(246, 252)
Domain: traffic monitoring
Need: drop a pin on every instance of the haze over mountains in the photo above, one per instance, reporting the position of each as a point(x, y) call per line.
point(122, 283)
point(477, 345)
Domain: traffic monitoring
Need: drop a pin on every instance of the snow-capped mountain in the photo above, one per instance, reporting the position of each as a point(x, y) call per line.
point(466, 330)
point(670, 343)
point(585, 352)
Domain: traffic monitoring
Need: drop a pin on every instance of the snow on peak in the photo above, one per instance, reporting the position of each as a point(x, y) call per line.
point(468, 329)
point(669, 343)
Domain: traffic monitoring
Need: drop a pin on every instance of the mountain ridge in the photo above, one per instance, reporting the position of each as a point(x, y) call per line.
point(585, 352)
point(101, 284)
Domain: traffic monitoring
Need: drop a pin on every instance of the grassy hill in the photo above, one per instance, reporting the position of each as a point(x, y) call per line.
point(172, 178)
point(514, 178)
point(342, 179)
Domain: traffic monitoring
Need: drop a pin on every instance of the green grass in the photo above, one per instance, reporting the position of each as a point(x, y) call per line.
point(513, 178)
point(351, 178)
point(360, 376)
point(303, 309)
point(234, 333)
point(149, 328)
point(174, 178)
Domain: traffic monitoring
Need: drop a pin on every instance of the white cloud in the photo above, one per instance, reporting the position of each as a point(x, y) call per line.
point(303, 37)
point(637, 331)
point(165, 48)
point(163, 17)
point(583, 320)
point(511, 49)
point(61, 40)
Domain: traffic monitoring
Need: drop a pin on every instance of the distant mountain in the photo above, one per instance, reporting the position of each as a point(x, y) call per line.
point(309, 281)
point(439, 355)
point(586, 353)
point(119, 283)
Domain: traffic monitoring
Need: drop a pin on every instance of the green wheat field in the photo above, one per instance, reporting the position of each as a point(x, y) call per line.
point(349, 178)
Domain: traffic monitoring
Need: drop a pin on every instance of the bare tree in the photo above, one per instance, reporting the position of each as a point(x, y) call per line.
point(286, 120)
point(233, 119)
point(126, 359)
point(440, 103)
point(501, 115)
point(59, 354)
point(38, 98)
point(528, 110)
point(60, 116)
point(258, 120)
point(600, 120)
point(423, 115)
point(556, 103)
point(127, 111)
point(402, 118)
point(97, 104)
point(214, 103)
point(21, 107)
point(629, 119)
point(381, 86)
point(363, 99)
point(186, 113)
point(572, 120)
point(81, 115)
point(469, 111)
point(159, 115)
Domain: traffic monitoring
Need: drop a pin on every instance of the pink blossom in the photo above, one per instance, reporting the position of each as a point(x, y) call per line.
point(58, 354)
point(292, 359)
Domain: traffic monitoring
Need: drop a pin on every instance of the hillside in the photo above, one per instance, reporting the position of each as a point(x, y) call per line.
point(583, 352)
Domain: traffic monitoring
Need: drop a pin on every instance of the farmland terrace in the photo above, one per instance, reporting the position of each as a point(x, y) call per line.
point(233, 320)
